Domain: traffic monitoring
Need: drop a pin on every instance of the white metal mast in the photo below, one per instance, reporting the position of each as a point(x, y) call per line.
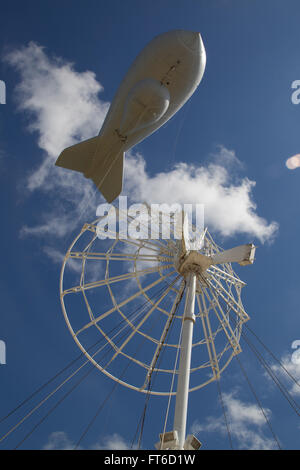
point(185, 360)
point(190, 264)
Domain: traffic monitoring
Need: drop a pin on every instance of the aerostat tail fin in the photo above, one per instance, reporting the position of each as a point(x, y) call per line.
point(108, 177)
point(79, 157)
point(105, 169)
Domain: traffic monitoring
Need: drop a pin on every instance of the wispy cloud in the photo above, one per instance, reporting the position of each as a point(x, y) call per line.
point(63, 108)
point(59, 440)
point(246, 424)
point(57, 257)
point(293, 368)
point(112, 442)
point(226, 158)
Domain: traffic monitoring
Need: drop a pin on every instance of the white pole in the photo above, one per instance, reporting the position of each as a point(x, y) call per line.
point(185, 360)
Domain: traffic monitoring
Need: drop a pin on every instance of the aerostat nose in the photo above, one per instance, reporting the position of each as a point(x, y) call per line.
point(191, 39)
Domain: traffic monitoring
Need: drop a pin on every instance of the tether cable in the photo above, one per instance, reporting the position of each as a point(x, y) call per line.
point(113, 389)
point(75, 372)
point(273, 356)
point(151, 381)
point(172, 385)
point(271, 373)
point(273, 376)
point(60, 372)
point(258, 402)
point(68, 393)
point(224, 413)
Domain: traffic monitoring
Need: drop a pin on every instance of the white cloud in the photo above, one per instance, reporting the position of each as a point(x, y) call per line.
point(245, 421)
point(228, 204)
point(57, 257)
point(64, 107)
point(59, 440)
point(112, 442)
point(293, 369)
point(64, 104)
point(226, 158)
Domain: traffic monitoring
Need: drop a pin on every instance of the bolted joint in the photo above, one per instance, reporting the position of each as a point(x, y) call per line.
point(190, 317)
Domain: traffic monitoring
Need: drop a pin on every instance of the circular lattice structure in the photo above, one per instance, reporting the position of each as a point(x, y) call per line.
point(123, 301)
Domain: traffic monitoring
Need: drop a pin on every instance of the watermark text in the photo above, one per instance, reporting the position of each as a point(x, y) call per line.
point(296, 354)
point(2, 352)
point(154, 222)
point(295, 97)
point(2, 92)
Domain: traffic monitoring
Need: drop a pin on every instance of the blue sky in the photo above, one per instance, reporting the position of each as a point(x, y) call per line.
point(240, 119)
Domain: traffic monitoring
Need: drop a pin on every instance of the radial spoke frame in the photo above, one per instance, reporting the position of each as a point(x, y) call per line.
point(219, 285)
